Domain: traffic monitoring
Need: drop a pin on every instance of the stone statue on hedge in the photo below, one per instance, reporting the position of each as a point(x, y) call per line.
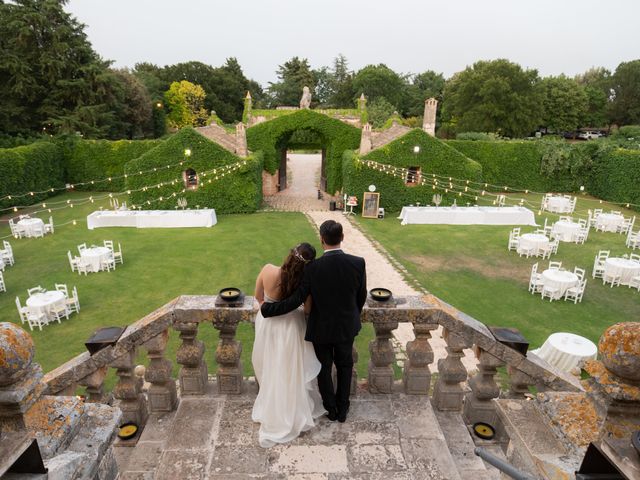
point(305, 101)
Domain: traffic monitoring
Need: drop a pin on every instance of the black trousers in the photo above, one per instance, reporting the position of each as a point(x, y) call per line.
point(341, 355)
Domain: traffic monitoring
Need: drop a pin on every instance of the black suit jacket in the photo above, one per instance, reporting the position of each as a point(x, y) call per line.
point(337, 283)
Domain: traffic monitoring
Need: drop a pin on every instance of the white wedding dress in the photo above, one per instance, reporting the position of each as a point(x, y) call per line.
point(286, 368)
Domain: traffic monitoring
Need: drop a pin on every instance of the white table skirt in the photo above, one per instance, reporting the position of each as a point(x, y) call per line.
point(609, 222)
point(565, 231)
point(467, 216)
point(1, 263)
point(559, 205)
point(44, 302)
point(560, 279)
point(30, 225)
point(152, 218)
point(566, 350)
point(534, 241)
point(94, 256)
point(626, 268)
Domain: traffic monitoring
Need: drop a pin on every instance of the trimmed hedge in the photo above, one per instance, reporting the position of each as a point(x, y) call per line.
point(90, 160)
point(513, 163)
point(322, 131)
point(238, 192)
point(435, 157)
point(615, 176)
point(35, 167)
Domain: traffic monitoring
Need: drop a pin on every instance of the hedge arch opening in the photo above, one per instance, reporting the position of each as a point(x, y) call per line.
point(303, 129)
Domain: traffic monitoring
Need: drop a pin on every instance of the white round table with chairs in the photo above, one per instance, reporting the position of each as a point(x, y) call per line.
point(94, 256)
point(532, 243)
point(567, 351)
point(44, 302)
point(621, 270)
point(566, 230)
point(609, 222)
point(558, 282)
point(559, 204)
point(33, 227)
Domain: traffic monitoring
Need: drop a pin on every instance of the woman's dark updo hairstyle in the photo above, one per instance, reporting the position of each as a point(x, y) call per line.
point(293, 268)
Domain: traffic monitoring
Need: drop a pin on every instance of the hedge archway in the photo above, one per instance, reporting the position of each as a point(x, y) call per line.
point(305, 129)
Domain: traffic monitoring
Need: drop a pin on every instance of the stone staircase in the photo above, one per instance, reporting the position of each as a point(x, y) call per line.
point(219, 135)
point(394, 436)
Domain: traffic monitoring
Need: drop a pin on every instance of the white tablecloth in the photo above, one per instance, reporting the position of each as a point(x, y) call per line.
point(30, 225)
point(566, 350)
point(534, 241)
point(560, 279)
point(152, 218)
point(626, 268)
point(609, 222)
point(565, 231)
point(559, 205)
point(44, 302)
point(1, 263)
point(94, 256)
point(467, 216)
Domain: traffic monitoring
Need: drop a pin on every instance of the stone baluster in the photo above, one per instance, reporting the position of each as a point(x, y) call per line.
point(190, 354)
point(519, 382)
point(229, 374)
point(417, 376)
point(127, 390)
point(448, 393)
point(162, 392)
point(382, 356)
point(478, 405)
point(95, 386)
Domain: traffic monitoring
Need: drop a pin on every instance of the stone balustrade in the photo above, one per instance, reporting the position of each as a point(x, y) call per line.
point(187, 313)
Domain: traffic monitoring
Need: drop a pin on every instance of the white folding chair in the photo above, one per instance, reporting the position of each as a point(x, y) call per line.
point(535, 280)
point(634, 256)
point(550, 292)
point(61, 287)
point(117, 256)
point(108, 263)
point(635, 283)
point(73, 304)
point(7, 253)
point(108, 244)
point(18, 231)
point(576, 293)
point(579, 272)
point(22, 311)
point(34, 290)
point(596, 212)
point(37, 231)
point(598, 268)
point(73, 261)
point(3, 287)
point(82, 247)
point(513, 242)
point(546, 251)
point(83, 267)
point(612, 278)
point(60, 310)
point(581, 237)
point(554, 245)
point(565, 218)
point(555, 265)
point(36, 318)
point(48, 227)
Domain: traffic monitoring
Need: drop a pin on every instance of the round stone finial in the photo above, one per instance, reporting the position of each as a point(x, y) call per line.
point(620, 350)
point(16, 353)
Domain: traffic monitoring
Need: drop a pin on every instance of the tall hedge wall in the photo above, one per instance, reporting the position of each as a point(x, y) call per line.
point(237, 192)
point(434, 157)
point(615, 176)
point(30, 168)
point(336, 136)
point(89, 160)
point(513, 163)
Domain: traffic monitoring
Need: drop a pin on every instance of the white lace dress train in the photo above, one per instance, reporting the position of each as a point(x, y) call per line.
point(286, 368)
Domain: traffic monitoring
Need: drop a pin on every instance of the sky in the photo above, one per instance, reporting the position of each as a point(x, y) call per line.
point(409, 36)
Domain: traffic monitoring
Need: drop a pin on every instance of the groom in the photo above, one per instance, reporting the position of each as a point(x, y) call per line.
point(337, 283)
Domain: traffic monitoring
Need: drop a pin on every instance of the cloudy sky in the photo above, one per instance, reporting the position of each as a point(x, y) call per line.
point(410, 36)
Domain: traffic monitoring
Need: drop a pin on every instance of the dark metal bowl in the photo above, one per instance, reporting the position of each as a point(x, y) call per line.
point(130, 435)
point(229, 294)
point(380, 294)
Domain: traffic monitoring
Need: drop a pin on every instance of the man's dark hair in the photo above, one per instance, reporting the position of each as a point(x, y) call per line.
point(331, 232)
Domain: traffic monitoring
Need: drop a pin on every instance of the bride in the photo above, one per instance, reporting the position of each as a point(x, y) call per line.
point(285, 364)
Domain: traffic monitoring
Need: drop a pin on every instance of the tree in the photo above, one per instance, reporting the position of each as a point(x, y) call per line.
point(493, 96)
point(380, 81)
point(134, 108)
point(379, 111)
point(625, 108)
point(597, 86)
point(341, 84)
point(185, 102)
point(564, 103)
point(424, 85)
point(293, 76)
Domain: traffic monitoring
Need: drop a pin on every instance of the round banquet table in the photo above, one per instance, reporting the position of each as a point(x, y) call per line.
point(534, 241)
point(43, 302)
point(609, 222)
point(626, 268)
point(559, 205)
point(566, 350)
point(30, 225)
point(560, 279)
point(565, 231)
point(94, 256)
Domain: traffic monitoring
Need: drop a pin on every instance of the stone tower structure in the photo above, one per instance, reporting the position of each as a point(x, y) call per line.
point(429, 118)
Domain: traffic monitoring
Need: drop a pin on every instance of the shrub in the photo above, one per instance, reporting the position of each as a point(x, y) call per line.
point(91, 160)
point(322, 131)
point(30, 168)
point(238, 192)
point(615, 176)
point(477, 136)
point(434, 157)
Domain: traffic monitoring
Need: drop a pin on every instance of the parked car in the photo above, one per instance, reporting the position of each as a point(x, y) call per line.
point(570, 135)
point(589, 135)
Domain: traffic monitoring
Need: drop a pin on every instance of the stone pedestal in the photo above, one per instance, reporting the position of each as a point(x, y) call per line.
point(127, 390)
point(382, 356)
point(193, 374)
point(229, 374)
point(162, 392)
point(417, 376)
point(448, 393)
point(478, 405)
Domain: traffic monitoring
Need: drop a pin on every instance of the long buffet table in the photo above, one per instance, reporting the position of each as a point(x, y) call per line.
point(467, 215)
point(152, 218)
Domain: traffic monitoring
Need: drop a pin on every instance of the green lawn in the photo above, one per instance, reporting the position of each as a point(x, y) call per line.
point(159, 265)
point(470, 268)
